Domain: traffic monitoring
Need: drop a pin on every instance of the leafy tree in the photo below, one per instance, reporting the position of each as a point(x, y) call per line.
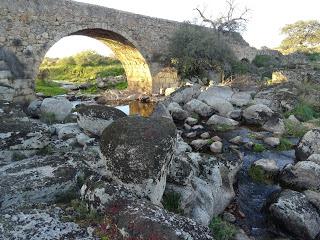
point(301, 36)
point(193, 50)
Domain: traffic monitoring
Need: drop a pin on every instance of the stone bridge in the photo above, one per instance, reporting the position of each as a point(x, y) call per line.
point(28, 28)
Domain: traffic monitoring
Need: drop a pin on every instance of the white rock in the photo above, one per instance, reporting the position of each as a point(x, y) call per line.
point(216, 147)
point(272, 141)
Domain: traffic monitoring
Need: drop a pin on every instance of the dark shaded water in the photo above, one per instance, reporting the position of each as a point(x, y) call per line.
point(251, 196)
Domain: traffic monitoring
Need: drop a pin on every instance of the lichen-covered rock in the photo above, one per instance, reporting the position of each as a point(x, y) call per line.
point(223, 92)
point(23, 134)
point(45, 223)
point(34, 108)
point(129, 217)
point(291, 211)
point(95, 118)
point(59, 108)
point(275, 125)
point(160, 110)
point(177, 112)
point(257, 114)
point(138, 151)
point(220, 123)
point(185, 94)
point(38, 179)
point(203, 182)
point(66, 131)
point(302, 176)
point(241, 99)
point(219, 105)
point(196, 106)
point(263, 116)
point(308, 145)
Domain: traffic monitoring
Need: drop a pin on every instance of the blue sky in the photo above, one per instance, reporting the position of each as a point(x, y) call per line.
point(265, 19)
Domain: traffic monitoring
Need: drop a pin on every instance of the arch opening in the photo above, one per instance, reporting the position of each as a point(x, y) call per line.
point(135, 66)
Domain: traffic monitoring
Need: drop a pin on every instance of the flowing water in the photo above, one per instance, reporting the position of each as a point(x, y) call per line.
point(252, 196)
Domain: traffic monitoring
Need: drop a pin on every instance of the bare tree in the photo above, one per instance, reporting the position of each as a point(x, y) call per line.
point(230, 22)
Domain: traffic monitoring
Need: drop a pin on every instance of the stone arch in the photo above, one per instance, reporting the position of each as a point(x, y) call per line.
point(126, 50)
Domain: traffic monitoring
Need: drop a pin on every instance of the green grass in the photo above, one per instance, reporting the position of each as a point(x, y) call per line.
point(284, 145)
point(304, 112)
point(120, 86)
point(76, 73)
point(49, 88)
point(91, 90)
point(294, 130)
point(222, 230)
point(257, 147)
point(171, 202)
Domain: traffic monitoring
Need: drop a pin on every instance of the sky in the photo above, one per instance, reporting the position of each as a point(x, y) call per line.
point(266, 17)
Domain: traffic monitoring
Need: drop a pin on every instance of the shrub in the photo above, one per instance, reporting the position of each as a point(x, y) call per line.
point(82, 67)
point(240, 67)
point(262, 61)
point(222, 230)
point(193, 50)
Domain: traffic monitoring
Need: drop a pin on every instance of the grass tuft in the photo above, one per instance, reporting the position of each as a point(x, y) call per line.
point(284, 145)
point(222, 230)
point(171, 202)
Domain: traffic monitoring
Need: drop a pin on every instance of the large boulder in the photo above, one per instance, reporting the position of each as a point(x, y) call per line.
point(131, 218)
point(302, 176)
point(220, 123)
point(95, 118)
point(196, 106)
point(291, 211)
point(308, 145)
point(58, 108)
point(138, 151)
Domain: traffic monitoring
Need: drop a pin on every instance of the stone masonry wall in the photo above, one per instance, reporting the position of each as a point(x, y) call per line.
point(28, 28)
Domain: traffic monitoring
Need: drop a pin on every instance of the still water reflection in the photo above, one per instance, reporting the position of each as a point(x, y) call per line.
point(137, 108)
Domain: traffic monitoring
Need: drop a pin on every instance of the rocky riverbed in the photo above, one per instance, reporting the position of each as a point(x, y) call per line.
point(203, 162)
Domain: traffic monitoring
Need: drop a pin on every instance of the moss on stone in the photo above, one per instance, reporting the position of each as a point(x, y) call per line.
point(257, 147)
